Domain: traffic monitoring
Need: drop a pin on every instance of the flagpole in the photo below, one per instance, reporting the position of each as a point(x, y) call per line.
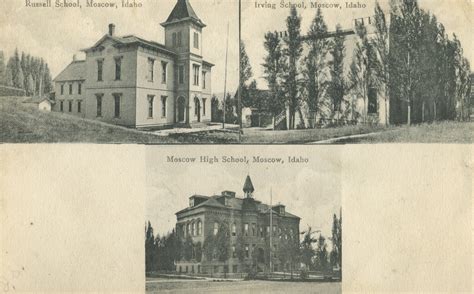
point(225, 77)
point(239, 112)
point(271, 228)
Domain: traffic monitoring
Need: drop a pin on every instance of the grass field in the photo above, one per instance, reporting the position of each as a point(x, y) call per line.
point(190, 286)
point(22, 123)
point(442, 132)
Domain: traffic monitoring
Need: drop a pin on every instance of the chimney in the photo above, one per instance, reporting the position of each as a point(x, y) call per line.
point(111, 29)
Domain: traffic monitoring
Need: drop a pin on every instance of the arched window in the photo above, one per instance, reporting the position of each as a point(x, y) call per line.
point(187, 229)
point(199, 230)
point(193, 230)
point(216, 228)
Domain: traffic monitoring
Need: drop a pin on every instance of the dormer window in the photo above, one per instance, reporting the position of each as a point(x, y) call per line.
point(191, 202)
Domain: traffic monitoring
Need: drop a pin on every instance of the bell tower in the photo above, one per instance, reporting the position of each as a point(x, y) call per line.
point(183, 35)
point(248, 188)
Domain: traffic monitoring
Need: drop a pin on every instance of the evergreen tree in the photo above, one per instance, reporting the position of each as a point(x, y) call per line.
point(149, 247)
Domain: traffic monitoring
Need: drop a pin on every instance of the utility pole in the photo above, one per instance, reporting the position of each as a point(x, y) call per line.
point(240, 82)
point(225, 78)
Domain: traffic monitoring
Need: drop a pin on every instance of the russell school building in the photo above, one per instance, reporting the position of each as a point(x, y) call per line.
point(129, 81)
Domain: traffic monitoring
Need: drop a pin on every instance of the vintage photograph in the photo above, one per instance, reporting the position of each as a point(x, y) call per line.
point(265, 222)
point(168, 72)
point(341, 72)
point(113, 72)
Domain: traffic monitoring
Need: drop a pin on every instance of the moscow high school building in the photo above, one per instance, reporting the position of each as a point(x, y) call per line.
point(129, 81)
point(249, 223)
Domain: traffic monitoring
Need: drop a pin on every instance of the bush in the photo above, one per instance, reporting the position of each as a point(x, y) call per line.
point(304, 274)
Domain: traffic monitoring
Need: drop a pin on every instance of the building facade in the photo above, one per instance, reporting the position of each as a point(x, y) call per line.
point(249, 233)
point(129, 81)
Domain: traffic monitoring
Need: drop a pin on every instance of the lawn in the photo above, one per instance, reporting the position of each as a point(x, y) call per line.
point(190, 286)
point(24, 123)
point(442, 132)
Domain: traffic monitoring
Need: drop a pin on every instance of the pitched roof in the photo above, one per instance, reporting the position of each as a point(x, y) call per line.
point(75, 71)
point(248, 186)
point(130, 40)
point(233, 203)
point(183, 11)
point(37, 99)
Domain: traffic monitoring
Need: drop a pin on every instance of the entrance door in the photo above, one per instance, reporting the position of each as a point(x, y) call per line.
point(181, 109)
point(197, 108)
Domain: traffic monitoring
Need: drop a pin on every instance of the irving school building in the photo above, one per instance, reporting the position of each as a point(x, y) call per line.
point(129, 81)
point(252, 241)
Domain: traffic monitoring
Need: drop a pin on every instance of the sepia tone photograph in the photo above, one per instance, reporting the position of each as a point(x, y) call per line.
point(139, 71)
point(267, 222)
point(337, 72)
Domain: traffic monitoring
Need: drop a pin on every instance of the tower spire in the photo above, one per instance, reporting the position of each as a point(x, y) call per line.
point(248, 187)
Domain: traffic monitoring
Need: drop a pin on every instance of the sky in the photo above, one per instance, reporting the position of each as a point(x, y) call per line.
point(311, 191)
point(456, 15)
point(57, 34)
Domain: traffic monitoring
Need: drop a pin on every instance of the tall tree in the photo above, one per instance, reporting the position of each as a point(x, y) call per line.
point(307, 250)
point(273, 69)
point(293, 52)
point(321, 254)
point(315, 64)
point(149, 247)
point(380, 44)
point(337, 86)
point(3, 69)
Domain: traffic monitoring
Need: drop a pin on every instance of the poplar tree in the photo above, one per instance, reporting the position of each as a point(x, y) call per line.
point(315, 64)
point(293, 53)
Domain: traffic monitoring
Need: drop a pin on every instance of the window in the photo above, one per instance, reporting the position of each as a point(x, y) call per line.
point(196, 74)
point(274, 250)
point(199, 268)
point(79, 108)
point(99, 104)
point(164, 66)
point(179, 39)
point(234, 253)
point(199, 230)
point(151, 65)
point(246, 229)
point(216, 228)
point(261, 232)
point(118, 68)
point(203, 106)
point(193, 230)
point(372, 99)
point(163, 106)
point(234, 268)
point(274, 230)
point(79, 89)
point(70, 105)
point(174, 40)
point(117, 105)
point(196, 106)
point(196, 40)
point(187, 229)
point(150, 105)
point(247, 251)
point(181, 74)
point(61, 106)
point(62, 89)
point(233, 230)
point(254, 230)
point(70, 89)
point(204, 80)
point(100, 65)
